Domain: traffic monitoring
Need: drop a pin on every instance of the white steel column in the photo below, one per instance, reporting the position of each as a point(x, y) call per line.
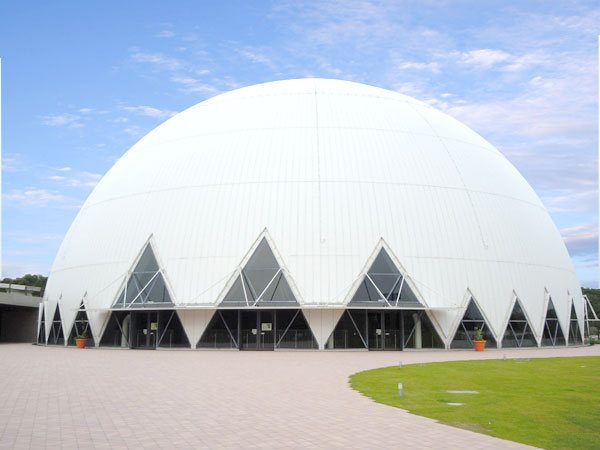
point(322, 323)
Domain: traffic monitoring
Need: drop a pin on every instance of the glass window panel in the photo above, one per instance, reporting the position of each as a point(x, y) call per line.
point(517, 312)
point(298, 334)
point(552, 334)
point(472, 312)
point(259, 279)
point(81, 327)
point(407, 296)
point(429, 338)
point(157, 291)
point(147, 262)
point(56, 336)
point(367, 293)
point(262, 258)
point(279, 292)
point(345, 334)
point(171, 332)
point(518, 333)
point(116, 333)
point(236, 293)
point(383, 264)
point(42, 333)
point(466, 329)
point(551, 312)
point(573, 313)
point(216, 334)
point(386, 284)
point(575, 335)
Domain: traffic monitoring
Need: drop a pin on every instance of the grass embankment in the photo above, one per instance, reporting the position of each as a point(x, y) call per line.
point(550, 403)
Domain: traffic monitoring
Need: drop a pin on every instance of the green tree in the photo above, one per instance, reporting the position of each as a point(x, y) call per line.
point(29, 280)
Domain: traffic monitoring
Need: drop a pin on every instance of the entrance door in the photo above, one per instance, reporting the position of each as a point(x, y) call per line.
point(266, 330)
point(384, 329)
point(144, 329)
point(376, 330)
point(257, 330)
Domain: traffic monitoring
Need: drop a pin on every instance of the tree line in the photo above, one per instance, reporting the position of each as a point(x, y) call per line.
point(29, 280)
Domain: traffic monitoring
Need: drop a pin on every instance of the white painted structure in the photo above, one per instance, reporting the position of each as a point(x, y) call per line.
point(328, 172)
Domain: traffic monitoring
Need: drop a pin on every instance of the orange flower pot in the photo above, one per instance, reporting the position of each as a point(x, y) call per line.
point(479, 345)
point(80, 342)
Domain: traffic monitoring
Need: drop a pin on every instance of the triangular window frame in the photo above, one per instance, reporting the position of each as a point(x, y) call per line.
point(463, 328)
point(512, 335)
point(81, 326)
point(139, 285)
point(553, 335)
point(261, 280)
point(56, 335)
point(382, 265)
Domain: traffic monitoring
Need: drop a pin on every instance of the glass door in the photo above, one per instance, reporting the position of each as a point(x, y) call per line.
point(144, 328)
point(249, 330)
point(376, 330)
point(266, 330)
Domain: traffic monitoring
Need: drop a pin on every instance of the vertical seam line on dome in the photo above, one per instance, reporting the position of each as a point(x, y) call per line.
point(485, 245)
point(319, 178)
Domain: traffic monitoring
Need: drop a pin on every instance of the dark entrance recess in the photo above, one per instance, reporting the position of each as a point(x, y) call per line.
point(259, 329)
point(145, 330)
point(384, 330)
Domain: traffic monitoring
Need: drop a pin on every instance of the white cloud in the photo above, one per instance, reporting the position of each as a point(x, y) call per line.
point(193, 85)
point(32, 197)
point(70, 120)
point(581, 239)
point(81, 179)
point(119, 120)
point(63, 169)
point(149, 111)
point(572, 201)
point(12, 269)
point(485, 57)
point(256, 56)
point(11, 162)
point(133, 130)
point(165, 34)
point(158, 59)
point(25, 237)
point(413, 65)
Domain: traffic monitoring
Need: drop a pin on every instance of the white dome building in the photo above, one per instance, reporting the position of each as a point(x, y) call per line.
point(312, 213)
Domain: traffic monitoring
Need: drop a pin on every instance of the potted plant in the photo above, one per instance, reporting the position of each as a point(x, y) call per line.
point(478, 341)
point(81, 340)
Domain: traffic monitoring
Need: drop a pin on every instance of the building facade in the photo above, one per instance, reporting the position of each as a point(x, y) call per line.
point(312, 214)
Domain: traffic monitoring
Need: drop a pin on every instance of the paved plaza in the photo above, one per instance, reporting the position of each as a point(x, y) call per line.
point(68, 398)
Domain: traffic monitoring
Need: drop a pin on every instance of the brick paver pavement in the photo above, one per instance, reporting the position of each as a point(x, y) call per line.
point(68, 398)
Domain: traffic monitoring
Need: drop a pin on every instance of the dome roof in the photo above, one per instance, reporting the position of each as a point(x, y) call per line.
point(328, 172)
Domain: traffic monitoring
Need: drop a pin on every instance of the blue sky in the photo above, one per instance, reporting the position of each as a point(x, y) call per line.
point(83, 81)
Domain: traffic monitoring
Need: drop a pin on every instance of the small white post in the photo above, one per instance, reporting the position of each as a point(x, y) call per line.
point(400, 393)
point(400, 365)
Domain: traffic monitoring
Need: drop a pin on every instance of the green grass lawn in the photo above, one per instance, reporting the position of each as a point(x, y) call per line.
point(550, 403)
